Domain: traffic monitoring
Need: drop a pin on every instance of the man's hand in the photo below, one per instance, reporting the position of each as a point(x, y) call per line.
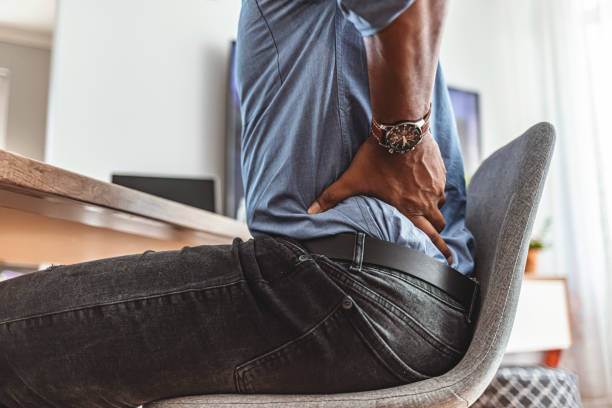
point(412, 182)
point(402, 61)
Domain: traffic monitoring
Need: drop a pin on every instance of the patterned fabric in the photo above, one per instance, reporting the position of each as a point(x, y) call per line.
point(520, 387)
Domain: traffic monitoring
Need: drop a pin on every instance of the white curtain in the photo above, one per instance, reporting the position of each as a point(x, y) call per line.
point(576, 49)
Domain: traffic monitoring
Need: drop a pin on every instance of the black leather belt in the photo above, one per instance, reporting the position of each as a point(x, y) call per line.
point(345, 246)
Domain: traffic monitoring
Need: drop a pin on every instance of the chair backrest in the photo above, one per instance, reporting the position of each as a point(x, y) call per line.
point(503, 197)
point(502, 200)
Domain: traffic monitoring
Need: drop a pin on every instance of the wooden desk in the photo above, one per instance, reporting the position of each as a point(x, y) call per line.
point(51, 215)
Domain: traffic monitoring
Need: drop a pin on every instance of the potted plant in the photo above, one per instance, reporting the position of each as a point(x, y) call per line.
point(536, 244)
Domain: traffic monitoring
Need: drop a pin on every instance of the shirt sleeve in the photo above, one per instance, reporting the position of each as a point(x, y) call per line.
point(371, 16)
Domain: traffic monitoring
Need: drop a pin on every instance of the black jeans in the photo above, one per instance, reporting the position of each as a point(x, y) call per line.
point(261, 316)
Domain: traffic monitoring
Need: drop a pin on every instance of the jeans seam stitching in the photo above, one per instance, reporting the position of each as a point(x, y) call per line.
point(91, 306)
point(429, 337)
point(242, 370)
point(417, 286)
point(400, 277)
point(26, 383)
point(384, 353)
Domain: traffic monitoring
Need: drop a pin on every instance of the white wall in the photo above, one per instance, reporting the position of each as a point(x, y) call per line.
point(493, 47)
point(488, 46)
point(4, 93)
point(27, 103)
point(139, 86)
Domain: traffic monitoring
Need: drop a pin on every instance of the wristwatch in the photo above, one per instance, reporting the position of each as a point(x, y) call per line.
point(401, 136)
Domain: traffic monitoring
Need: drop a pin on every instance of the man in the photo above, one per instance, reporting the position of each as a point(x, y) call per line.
point(337, 105)
point(303, 76)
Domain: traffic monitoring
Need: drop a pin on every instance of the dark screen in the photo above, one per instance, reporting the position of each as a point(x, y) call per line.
point(198, 193)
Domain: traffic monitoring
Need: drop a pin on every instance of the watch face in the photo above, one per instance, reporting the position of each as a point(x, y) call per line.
point(403, 137)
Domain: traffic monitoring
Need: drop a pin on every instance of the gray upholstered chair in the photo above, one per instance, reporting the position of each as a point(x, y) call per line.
point(503, 197)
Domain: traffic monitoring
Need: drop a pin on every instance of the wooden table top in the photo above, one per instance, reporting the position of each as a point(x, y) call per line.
point(37, 187)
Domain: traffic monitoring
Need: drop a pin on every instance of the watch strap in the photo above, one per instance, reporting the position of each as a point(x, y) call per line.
point(378, 129)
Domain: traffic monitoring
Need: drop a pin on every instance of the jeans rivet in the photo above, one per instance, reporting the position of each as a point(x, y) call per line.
point(347, 303)
point(303, 258)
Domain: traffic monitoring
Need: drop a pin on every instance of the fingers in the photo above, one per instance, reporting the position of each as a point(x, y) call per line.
point(433, 215)
point(331, 196)
point(424, 225)
point(437, 220)
point(442, 201)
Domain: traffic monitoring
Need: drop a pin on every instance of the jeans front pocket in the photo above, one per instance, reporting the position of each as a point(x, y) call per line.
point(330, 357)
point(423, 326)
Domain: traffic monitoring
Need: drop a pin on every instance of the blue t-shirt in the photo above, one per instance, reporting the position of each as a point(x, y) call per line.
point(303, 84)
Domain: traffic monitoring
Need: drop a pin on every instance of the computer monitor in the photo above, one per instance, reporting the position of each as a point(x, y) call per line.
point(199, 193)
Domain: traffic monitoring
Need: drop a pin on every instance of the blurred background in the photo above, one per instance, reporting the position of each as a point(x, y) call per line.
point(144, 88)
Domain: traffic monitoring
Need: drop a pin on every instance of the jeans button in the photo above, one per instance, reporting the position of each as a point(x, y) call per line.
point(347, 303)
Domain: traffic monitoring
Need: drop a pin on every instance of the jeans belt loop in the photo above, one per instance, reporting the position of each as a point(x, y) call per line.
point(475, 295)
point(358, 252)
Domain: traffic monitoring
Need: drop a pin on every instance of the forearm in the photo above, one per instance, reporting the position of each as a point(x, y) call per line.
point(402, 62)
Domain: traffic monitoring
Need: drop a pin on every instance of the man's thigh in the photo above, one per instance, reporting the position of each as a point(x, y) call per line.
point(127, 330)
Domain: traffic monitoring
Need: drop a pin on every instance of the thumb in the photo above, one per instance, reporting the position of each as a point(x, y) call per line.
point(424, 225)
point(331, 196)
